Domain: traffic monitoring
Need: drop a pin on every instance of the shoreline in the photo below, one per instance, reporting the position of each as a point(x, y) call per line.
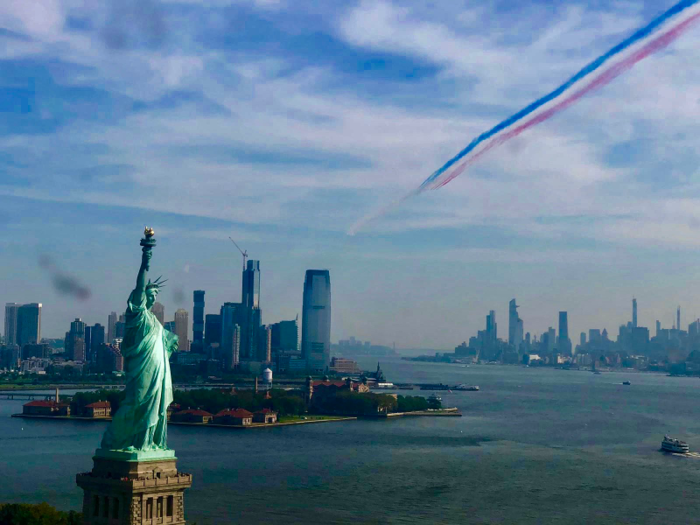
point(445, 412)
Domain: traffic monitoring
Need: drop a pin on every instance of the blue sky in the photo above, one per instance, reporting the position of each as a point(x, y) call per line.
point(281, 123)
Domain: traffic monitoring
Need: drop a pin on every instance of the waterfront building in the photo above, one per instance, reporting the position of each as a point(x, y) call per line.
point(316, 320)
point(341, 365)
point(11, 313)
point(583, 338)
point(198, 322)
point(159, 311)
point(323, 389)
point(192, 416)
point(265, 415)
point(29, 324)
point(98, 409)
point(239, 416)
point(111, 327)
point(181, 329)
point(46, 408)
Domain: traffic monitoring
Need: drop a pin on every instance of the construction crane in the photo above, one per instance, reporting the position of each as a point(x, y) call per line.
point(243, 253)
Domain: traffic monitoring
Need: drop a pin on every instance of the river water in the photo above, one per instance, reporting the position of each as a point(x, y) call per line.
point(534, 446)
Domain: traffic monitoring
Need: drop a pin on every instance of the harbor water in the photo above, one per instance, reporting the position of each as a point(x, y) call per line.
point(534, 446)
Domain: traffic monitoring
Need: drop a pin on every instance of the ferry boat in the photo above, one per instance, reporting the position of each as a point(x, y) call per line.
point(435, 397)
point(626, 383)
point(670, 444)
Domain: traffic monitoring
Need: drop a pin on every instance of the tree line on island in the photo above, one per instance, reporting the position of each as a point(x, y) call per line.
point(284, 402)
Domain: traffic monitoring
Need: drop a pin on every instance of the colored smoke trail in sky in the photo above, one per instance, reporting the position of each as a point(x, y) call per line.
point(594, 76)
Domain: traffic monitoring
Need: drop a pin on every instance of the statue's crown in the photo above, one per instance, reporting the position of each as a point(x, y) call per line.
point(157, 284)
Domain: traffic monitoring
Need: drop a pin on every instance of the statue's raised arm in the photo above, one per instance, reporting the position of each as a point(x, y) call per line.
point(139, 428)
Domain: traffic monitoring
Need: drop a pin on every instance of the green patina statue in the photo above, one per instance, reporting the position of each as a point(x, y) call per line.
point(139, 428)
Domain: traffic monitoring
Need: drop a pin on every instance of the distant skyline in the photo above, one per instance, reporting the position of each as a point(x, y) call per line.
point(280, 124)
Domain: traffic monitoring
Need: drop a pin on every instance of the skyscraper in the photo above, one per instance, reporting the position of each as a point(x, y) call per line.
point(11, 311)
point(88, 342)
point(284, 337)
point(159, 311)
point(251, 285)
point(264, 344)
point(678, 318)
point(515, 325)
point(634, 313)
point(564, 343)
point(29, 324)
point(316, 320)
point(491, 326)
point(97, 339)
point(181, 329)
point(198, 322)
point(111, 327)
point(232, 315)
point(212, 329)
point(75, 341)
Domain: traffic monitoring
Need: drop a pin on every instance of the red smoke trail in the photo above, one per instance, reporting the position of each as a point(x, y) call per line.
point(606, 77)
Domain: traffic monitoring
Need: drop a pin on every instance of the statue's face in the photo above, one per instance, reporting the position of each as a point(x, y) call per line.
point(151, 297)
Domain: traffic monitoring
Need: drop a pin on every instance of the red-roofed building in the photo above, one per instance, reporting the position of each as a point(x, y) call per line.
point(174, 407)
point(265, 415)
point(192, 415)
point(98, 409)
point(239, 416)
point(46, 408)
point(333, 386)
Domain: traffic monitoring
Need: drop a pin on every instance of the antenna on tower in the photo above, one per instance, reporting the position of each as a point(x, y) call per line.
point(243, 253)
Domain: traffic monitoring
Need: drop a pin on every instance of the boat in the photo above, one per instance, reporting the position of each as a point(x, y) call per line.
point(626, 383)
point(435, 397)
point(438, 386)
point(596, 372)
point(468, 388)
point(670, 444)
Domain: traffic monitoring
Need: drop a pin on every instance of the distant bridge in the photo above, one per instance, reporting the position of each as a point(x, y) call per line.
point(10, 396)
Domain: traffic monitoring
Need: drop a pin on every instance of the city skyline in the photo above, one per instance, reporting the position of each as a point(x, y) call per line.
point(520, 328)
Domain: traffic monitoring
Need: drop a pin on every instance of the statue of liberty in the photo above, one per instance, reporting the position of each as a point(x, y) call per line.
point(139, 428)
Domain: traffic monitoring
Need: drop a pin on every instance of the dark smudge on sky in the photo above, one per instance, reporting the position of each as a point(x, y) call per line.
point(64, 283)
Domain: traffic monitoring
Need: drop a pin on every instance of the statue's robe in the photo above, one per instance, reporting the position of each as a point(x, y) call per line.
point(141, 423)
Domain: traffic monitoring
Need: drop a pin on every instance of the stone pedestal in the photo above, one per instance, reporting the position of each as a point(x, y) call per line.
point(133, 492)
